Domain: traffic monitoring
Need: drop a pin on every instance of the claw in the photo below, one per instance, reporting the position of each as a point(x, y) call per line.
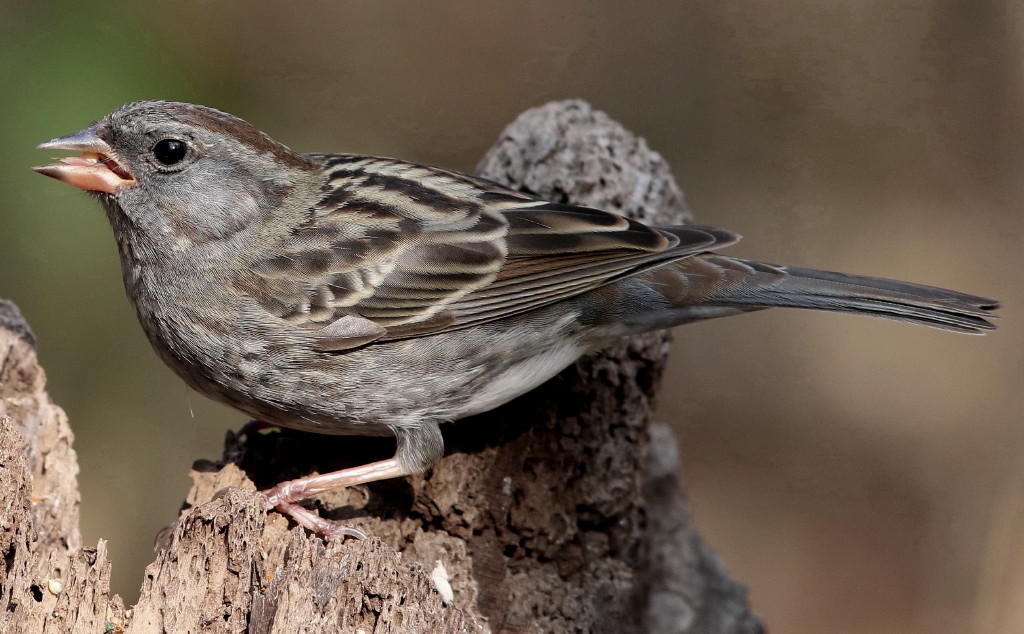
point(285, 496)
point(331, 530)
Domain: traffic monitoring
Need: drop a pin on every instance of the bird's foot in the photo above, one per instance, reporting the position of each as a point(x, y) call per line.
point(285, 497)
point(330, 529)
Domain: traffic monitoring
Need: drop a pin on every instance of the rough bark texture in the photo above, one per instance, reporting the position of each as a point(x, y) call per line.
point(49, 582)
point(554, 513)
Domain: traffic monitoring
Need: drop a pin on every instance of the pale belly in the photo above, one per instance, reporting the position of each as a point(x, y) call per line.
point(519, 379)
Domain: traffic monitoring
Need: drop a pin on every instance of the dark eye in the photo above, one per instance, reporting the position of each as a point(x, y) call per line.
point(170, 151)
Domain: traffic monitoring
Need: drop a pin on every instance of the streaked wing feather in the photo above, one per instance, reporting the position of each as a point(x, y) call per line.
point(543, 280)
point(421, 250)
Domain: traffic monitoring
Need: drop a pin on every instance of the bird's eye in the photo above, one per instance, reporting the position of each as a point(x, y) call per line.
point(170, 151)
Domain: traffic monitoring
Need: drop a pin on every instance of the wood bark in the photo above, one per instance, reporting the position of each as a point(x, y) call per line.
point(554, 513)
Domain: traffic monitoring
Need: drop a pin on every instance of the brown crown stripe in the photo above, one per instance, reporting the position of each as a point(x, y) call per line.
point(220, 123)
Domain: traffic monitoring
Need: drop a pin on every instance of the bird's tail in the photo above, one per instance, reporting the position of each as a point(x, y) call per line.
point(710, 285)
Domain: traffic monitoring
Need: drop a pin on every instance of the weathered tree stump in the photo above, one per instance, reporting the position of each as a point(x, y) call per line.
point(555, 513)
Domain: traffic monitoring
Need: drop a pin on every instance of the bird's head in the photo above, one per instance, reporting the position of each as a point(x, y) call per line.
point(174, 168)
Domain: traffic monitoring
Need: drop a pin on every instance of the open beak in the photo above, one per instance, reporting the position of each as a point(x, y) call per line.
point(95, 170)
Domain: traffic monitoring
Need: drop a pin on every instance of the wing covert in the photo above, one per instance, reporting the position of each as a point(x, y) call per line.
point(416, 250)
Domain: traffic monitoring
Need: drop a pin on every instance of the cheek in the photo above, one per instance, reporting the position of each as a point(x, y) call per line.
point(218, 212)
point(211, 205)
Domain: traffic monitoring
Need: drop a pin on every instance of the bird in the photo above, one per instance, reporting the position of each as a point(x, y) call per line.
point(359, 295)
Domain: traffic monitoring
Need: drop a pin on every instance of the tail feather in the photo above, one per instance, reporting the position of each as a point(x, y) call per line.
point(795, 287)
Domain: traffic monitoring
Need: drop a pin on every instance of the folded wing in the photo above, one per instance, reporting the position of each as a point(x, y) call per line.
point(395, 250)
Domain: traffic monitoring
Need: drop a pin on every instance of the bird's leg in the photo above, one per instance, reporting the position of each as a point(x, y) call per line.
point(285, 496)
point(302, 488)
point(418, 448)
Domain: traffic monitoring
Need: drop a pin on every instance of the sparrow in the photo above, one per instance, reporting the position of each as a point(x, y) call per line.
point(359, 295)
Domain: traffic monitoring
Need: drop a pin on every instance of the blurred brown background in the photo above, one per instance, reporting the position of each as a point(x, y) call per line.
point(859, 475)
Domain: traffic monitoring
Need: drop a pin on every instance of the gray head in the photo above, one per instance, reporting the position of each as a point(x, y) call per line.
point(180, 171)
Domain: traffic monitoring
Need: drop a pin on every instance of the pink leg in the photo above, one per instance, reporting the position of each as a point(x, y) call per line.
point(284, 496)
